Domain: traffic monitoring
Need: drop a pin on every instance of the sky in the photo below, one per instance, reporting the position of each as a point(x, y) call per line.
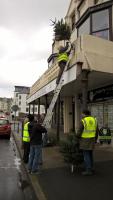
point(26, 37)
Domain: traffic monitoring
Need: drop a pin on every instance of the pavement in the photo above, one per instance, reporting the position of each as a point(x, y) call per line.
point(57, 182)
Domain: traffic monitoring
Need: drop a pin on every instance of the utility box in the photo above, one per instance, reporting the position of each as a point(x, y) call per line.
point(105, 135)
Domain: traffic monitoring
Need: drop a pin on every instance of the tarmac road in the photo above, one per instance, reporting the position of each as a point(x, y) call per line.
point(14, 183)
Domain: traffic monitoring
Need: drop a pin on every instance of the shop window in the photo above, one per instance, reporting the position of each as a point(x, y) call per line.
point(84, 28)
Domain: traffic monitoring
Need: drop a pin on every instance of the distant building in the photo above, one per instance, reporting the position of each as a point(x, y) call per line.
point(20, 95)
point(5, 104)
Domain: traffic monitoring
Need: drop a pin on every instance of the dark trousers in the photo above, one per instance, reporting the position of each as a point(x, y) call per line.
point(62, 65)
point(88, 159)
point(26, 148)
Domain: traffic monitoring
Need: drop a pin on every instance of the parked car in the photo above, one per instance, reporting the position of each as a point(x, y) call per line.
point(5, 127)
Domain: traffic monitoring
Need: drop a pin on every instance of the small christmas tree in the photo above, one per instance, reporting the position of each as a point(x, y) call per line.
point(71, 152)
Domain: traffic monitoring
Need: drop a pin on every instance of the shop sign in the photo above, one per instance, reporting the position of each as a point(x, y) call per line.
point(101, 94)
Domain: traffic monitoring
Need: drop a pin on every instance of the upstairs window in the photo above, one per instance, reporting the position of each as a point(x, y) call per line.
point(100, 24)
point(84, 28)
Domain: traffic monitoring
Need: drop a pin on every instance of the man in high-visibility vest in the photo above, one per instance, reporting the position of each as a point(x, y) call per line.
point(62, 58)
point(26, 137)
point(88, 133)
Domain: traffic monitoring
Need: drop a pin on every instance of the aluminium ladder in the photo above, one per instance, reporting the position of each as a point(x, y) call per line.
point(49, 114)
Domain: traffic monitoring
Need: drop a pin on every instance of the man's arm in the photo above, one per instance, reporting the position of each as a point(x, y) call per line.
point(81, 128)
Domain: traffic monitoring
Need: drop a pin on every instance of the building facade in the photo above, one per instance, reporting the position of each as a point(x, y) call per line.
point(5, 104)
point(20, 96)
point(88, 80)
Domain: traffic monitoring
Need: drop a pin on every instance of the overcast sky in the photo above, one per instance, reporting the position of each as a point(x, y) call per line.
point(25, 40)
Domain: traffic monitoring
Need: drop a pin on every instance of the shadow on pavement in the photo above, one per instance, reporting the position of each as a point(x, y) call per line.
point(60, 184)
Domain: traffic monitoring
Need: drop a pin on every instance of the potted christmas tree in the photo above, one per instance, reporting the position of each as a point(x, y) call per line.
point(71, 152)
point(61, 30)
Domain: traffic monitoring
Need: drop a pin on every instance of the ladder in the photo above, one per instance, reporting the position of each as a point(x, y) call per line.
point(49, 114)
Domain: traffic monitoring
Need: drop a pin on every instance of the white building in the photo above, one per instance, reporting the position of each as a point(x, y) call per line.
point(20, 95)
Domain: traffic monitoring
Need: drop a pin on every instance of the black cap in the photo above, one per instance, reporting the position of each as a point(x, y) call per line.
point(30, 117)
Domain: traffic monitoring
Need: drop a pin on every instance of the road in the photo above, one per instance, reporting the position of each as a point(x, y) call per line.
point(14, 182)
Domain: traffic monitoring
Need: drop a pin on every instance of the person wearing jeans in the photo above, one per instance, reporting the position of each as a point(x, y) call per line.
point(88, 160)
point(35, 147)
point(87, 134)
point(35, 152)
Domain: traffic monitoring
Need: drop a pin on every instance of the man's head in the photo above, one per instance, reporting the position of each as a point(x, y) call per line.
point(60, 48)
point(40, 119)
point(86, 113)
point(30, 117)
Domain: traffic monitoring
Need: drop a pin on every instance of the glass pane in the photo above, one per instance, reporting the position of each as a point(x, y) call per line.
point(84, 28)
point(110, 116)
point(100, 20)
point(102, 34)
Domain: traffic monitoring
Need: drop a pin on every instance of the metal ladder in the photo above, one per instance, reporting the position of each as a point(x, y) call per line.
point(49, 114)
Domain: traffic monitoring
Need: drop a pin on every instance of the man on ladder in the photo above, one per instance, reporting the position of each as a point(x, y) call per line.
point(62, 57)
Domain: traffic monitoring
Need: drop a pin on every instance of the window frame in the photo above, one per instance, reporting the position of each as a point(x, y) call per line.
point(106, 5)
point(110, 36)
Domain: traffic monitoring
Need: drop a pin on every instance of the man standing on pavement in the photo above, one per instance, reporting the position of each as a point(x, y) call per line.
point(28, 124)
point(88, 133)
point(35, 147)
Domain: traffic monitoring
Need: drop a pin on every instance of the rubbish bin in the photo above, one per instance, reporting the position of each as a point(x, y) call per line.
point(105, 135)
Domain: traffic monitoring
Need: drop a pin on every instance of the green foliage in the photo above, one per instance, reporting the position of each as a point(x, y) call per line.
point(61, 30)
point(70, 150)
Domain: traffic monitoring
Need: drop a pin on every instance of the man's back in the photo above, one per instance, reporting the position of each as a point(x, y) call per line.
point(36, 136)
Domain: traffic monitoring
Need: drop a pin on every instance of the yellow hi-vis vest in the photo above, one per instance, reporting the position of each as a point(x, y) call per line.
point(62, 57)
point(90, 126)
point(26, 137)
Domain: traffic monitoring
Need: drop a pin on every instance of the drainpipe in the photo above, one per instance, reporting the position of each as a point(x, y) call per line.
point(58, 119)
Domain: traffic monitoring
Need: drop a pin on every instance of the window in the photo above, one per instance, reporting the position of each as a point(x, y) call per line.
point(100, 24)
point(35, 109)
point(19, 96)
point(84, 28)
point(16, 94)
point(27, 109)
point(19, 102)
point(103, 34)
point(100, 20)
